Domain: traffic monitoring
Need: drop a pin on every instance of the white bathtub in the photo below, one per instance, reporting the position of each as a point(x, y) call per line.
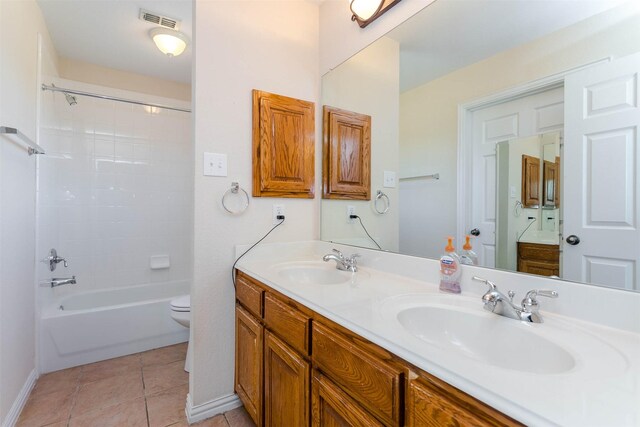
point(98, 325)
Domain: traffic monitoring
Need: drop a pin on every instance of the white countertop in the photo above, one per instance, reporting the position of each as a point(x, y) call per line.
point(602, 389)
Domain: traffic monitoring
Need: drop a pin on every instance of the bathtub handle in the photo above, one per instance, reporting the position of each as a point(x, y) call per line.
point(53, 259)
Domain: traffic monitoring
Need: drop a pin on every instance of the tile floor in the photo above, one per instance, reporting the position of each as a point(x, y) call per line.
point(145, 389)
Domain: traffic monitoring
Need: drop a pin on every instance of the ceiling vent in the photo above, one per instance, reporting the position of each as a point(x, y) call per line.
point(156, 18)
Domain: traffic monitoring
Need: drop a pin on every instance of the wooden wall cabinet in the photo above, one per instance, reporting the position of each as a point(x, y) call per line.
point(536, 258)
point(283, 146)
point(551, 183)
point(530, 181)
point(346, 155)
point(319, 373)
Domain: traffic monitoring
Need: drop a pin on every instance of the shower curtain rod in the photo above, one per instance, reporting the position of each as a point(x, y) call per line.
point(112, 98)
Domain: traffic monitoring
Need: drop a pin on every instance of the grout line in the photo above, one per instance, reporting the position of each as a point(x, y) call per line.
point(146, 410)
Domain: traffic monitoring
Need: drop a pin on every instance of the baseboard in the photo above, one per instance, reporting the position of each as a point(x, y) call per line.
point(211, 408)
point(21, 399)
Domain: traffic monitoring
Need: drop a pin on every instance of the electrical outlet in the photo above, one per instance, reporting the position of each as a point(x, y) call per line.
point(389, 180)
point(351, 210)
point(277, 210)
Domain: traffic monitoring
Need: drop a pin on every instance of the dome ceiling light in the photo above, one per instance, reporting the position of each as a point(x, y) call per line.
point(170, 42)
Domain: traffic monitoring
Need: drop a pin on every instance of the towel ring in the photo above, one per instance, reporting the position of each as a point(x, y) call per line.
point(235, 189)
point(387, 204)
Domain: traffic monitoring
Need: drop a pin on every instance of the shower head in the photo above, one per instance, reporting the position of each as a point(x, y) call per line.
point(70, 98)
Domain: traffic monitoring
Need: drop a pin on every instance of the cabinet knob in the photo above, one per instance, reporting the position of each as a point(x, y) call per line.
point(475, 232)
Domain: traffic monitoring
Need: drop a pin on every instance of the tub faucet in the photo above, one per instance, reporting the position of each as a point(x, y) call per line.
point(55, 282)
point(502, 305)
point(343, 263)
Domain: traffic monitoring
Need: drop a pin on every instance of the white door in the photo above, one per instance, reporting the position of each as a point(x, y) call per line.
point(600, 178)
point(522, 117)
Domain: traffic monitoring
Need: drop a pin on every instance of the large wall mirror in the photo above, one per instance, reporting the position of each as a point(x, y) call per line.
point(513, 122)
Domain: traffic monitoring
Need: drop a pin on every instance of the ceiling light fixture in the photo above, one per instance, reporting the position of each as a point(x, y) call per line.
point(367, 11)
point(170, 42)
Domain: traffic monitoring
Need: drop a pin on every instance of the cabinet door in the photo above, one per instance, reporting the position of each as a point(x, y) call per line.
point(248, 371)
point(346, 155)
point(286, 385)
point(530, 181)
point(332, 407)
point(283, 146)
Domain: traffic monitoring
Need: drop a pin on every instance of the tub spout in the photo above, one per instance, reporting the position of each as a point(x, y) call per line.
point(59, 282)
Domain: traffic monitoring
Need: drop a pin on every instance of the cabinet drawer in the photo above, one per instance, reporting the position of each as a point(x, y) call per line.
point(249, 294)
point(374, 383)
point(431, 406)
point(287, 322)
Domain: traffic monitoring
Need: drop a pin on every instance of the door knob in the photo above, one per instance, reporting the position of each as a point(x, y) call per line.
point(475, 232)
point(573, 240)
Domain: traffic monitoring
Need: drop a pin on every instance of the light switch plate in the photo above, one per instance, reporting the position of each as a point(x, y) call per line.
point(389, 179)
point(215, 164)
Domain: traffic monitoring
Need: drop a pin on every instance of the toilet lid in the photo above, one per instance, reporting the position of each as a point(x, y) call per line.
point(181, 303)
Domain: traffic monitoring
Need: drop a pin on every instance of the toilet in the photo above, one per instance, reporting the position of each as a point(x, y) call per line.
point(181, 313)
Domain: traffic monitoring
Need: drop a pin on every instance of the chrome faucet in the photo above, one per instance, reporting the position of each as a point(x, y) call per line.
point(500, 304)
point(55, 282)
point(343, 263)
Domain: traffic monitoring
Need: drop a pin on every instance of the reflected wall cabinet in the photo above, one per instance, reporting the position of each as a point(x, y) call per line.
point(530, 181)
point(346, 155)
point(283, 146)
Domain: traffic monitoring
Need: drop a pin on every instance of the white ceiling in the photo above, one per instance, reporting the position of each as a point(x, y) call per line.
point(109, 33)
point(450, 34)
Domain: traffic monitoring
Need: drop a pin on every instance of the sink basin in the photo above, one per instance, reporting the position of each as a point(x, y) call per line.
point(496, 341)
point(314, 275)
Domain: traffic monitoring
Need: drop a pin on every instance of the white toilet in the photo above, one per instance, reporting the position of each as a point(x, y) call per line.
point(181, 313)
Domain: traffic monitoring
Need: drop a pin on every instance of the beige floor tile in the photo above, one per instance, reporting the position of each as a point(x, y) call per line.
point(162, 377)
point(47, 409)
point(164, 355)
point(217, 421)
point(125, 365)
point(126, 414)
point(167, 407)
point(64, 380)
point(59, 424)
point(108, 392)
point(239, 418)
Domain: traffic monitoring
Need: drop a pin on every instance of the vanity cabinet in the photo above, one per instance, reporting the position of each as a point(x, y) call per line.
point(295, 367)
point(540, 259)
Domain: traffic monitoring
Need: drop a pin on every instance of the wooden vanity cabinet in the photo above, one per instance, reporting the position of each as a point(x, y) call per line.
point(273, 381)
point(295, 367)
point(540, 259)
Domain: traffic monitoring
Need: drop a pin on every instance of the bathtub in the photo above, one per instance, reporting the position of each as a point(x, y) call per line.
point(97, 325)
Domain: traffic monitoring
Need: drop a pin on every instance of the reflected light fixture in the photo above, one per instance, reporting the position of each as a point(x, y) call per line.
point(367, 11)
point(170, 42)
